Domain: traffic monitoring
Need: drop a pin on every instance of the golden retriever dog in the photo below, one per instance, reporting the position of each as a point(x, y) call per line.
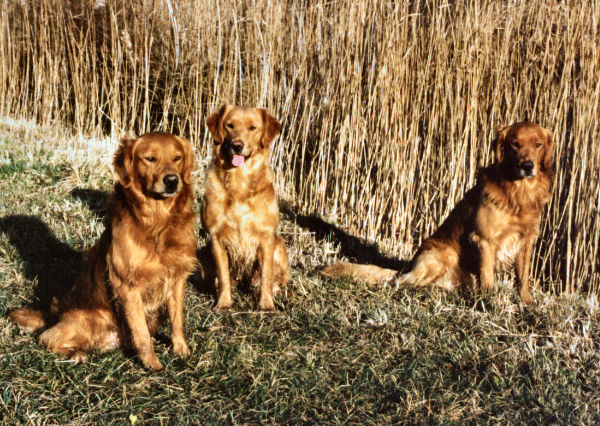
point(139, 265)
point(496, 223)
point(240, 210)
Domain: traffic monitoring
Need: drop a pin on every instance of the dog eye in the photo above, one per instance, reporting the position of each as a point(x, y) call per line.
point(177, 158)
point(252, 128)
point(538, 144)
point(151, 158)
point(515, 145)
point(229, 126)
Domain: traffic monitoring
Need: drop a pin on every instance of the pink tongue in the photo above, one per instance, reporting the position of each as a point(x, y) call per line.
point(238, 160)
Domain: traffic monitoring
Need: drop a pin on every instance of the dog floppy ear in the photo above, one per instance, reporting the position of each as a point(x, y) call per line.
point(123, 162)
point(215, 123)
point(188, 158)
point(271, 128)
point(548, 149)
point(499, 143)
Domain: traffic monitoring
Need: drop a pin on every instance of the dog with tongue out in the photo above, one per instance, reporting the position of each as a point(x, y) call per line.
point(240, 210)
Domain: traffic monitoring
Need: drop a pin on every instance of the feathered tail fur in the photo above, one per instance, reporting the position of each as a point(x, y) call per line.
point(370, 274)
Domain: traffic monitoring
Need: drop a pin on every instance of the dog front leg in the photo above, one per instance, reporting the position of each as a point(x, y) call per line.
point(523, 264)
point(175, 308)
point(266, 279)
point(136, 320)
point(222, 262)
point(487, 263)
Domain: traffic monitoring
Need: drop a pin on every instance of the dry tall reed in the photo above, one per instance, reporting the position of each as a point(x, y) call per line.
point(388, 107)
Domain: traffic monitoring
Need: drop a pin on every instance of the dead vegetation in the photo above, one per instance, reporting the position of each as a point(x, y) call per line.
point(388, 108)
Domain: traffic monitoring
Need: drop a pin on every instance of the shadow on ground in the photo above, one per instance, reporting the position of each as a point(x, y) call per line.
point(53, 263)
point(352, 247)
point(203, 278)
point(94, 198)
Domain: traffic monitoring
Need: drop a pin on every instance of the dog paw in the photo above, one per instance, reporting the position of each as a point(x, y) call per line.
point(151, 362)
point(486, 288)
point(78, 356)
point(267, 305)
point(180, 348)
point(222, 306)
point(526, 297)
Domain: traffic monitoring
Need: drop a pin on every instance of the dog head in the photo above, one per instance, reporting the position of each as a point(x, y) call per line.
point(523, 149)
point(239, 132)
point(158, 164)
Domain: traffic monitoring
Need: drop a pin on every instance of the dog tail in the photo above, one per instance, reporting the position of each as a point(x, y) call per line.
point(28, 319)
point(370, 274)
point(429, 269)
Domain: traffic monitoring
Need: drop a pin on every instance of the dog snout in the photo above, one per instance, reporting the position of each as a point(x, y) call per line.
point(527, 167)
point(171, 181)
point(237, 147)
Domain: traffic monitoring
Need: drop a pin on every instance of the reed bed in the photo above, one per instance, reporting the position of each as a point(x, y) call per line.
point(388, 108)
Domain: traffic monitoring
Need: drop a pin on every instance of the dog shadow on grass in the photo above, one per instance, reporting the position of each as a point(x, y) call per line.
point(95, 199)
point(354, 248)
point(52, 263)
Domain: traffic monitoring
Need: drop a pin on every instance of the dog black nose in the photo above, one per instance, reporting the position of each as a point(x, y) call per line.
point(526, 166)
point(171, 181)
point(237, 146)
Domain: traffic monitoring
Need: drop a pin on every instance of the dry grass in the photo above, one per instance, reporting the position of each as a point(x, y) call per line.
point(388, 107)
point(336, 352)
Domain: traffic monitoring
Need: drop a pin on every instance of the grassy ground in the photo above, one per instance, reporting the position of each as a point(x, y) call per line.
point(335, 352)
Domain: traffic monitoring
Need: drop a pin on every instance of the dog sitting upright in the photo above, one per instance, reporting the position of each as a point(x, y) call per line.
point(497, 221)
point(240, 210)
point(139, 266)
